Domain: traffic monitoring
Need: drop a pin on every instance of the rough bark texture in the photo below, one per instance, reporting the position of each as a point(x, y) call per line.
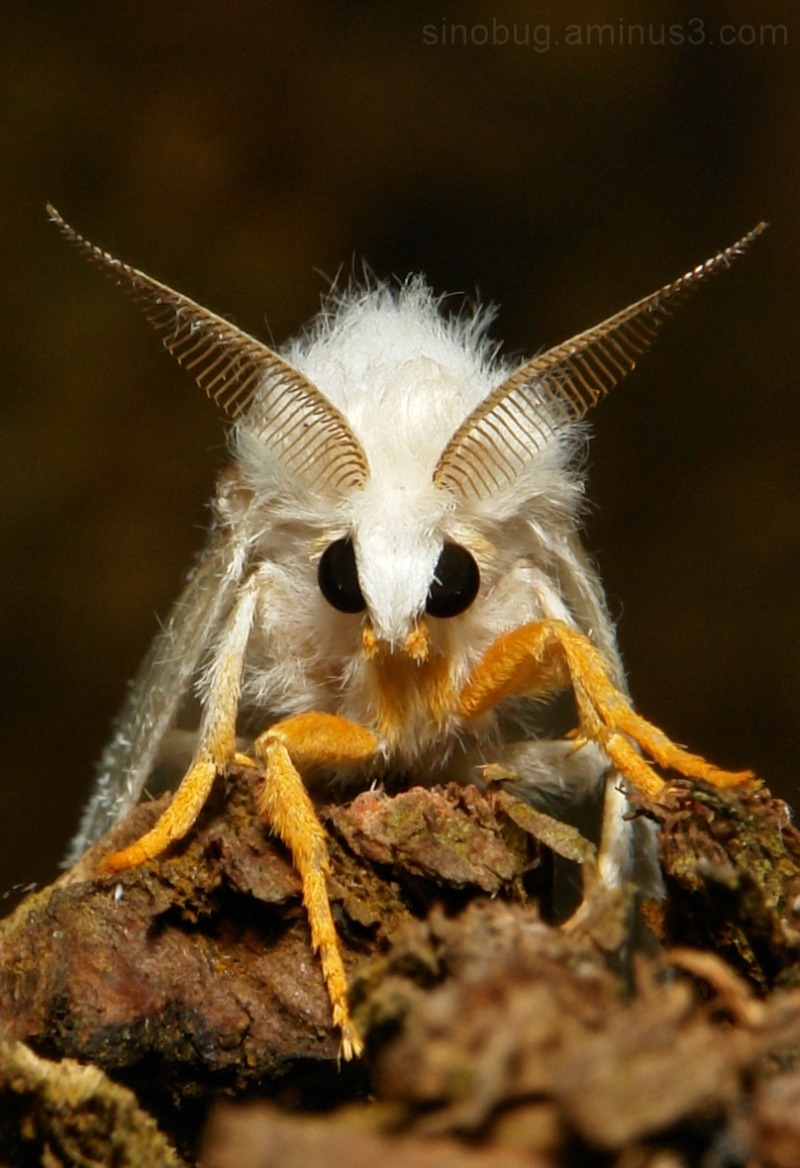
point(493, 1037)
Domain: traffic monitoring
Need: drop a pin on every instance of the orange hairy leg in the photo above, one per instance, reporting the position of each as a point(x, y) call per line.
point(549, 656)
point(216, 749)
point(286, 805)
point(214, 755)
point(186, 805)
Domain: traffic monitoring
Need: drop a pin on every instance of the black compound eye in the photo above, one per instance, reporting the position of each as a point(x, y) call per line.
point(337, 576)
point(455, 582)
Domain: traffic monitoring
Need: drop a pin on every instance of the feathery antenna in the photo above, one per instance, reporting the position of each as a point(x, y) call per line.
point(247, 379)
point(549, 392)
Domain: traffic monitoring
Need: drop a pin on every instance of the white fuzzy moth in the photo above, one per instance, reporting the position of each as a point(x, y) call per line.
point(394, 574)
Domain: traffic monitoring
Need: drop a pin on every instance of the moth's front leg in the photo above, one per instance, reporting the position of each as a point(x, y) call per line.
point(304, 740)
point(217, 739)
point(187, 803)
point(549, 656)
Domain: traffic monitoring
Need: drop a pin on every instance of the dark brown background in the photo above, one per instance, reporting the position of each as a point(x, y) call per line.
point(236, 151)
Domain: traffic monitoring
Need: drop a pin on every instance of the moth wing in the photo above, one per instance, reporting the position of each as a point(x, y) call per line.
point(171, 664)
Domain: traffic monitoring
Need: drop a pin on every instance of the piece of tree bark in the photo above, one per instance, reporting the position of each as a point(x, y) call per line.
point(61, 1114)
point(492, 1037)
point(262, 1136)
point(518, 1041)
point(199, 963)
point(731, 862)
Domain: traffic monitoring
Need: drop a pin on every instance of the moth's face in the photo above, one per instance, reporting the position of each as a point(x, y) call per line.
point(397, 565)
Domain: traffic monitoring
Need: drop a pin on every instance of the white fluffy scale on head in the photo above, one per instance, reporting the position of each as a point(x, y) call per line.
point(403, 374)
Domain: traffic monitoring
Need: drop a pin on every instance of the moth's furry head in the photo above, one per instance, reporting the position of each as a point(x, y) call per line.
point(406, 375)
